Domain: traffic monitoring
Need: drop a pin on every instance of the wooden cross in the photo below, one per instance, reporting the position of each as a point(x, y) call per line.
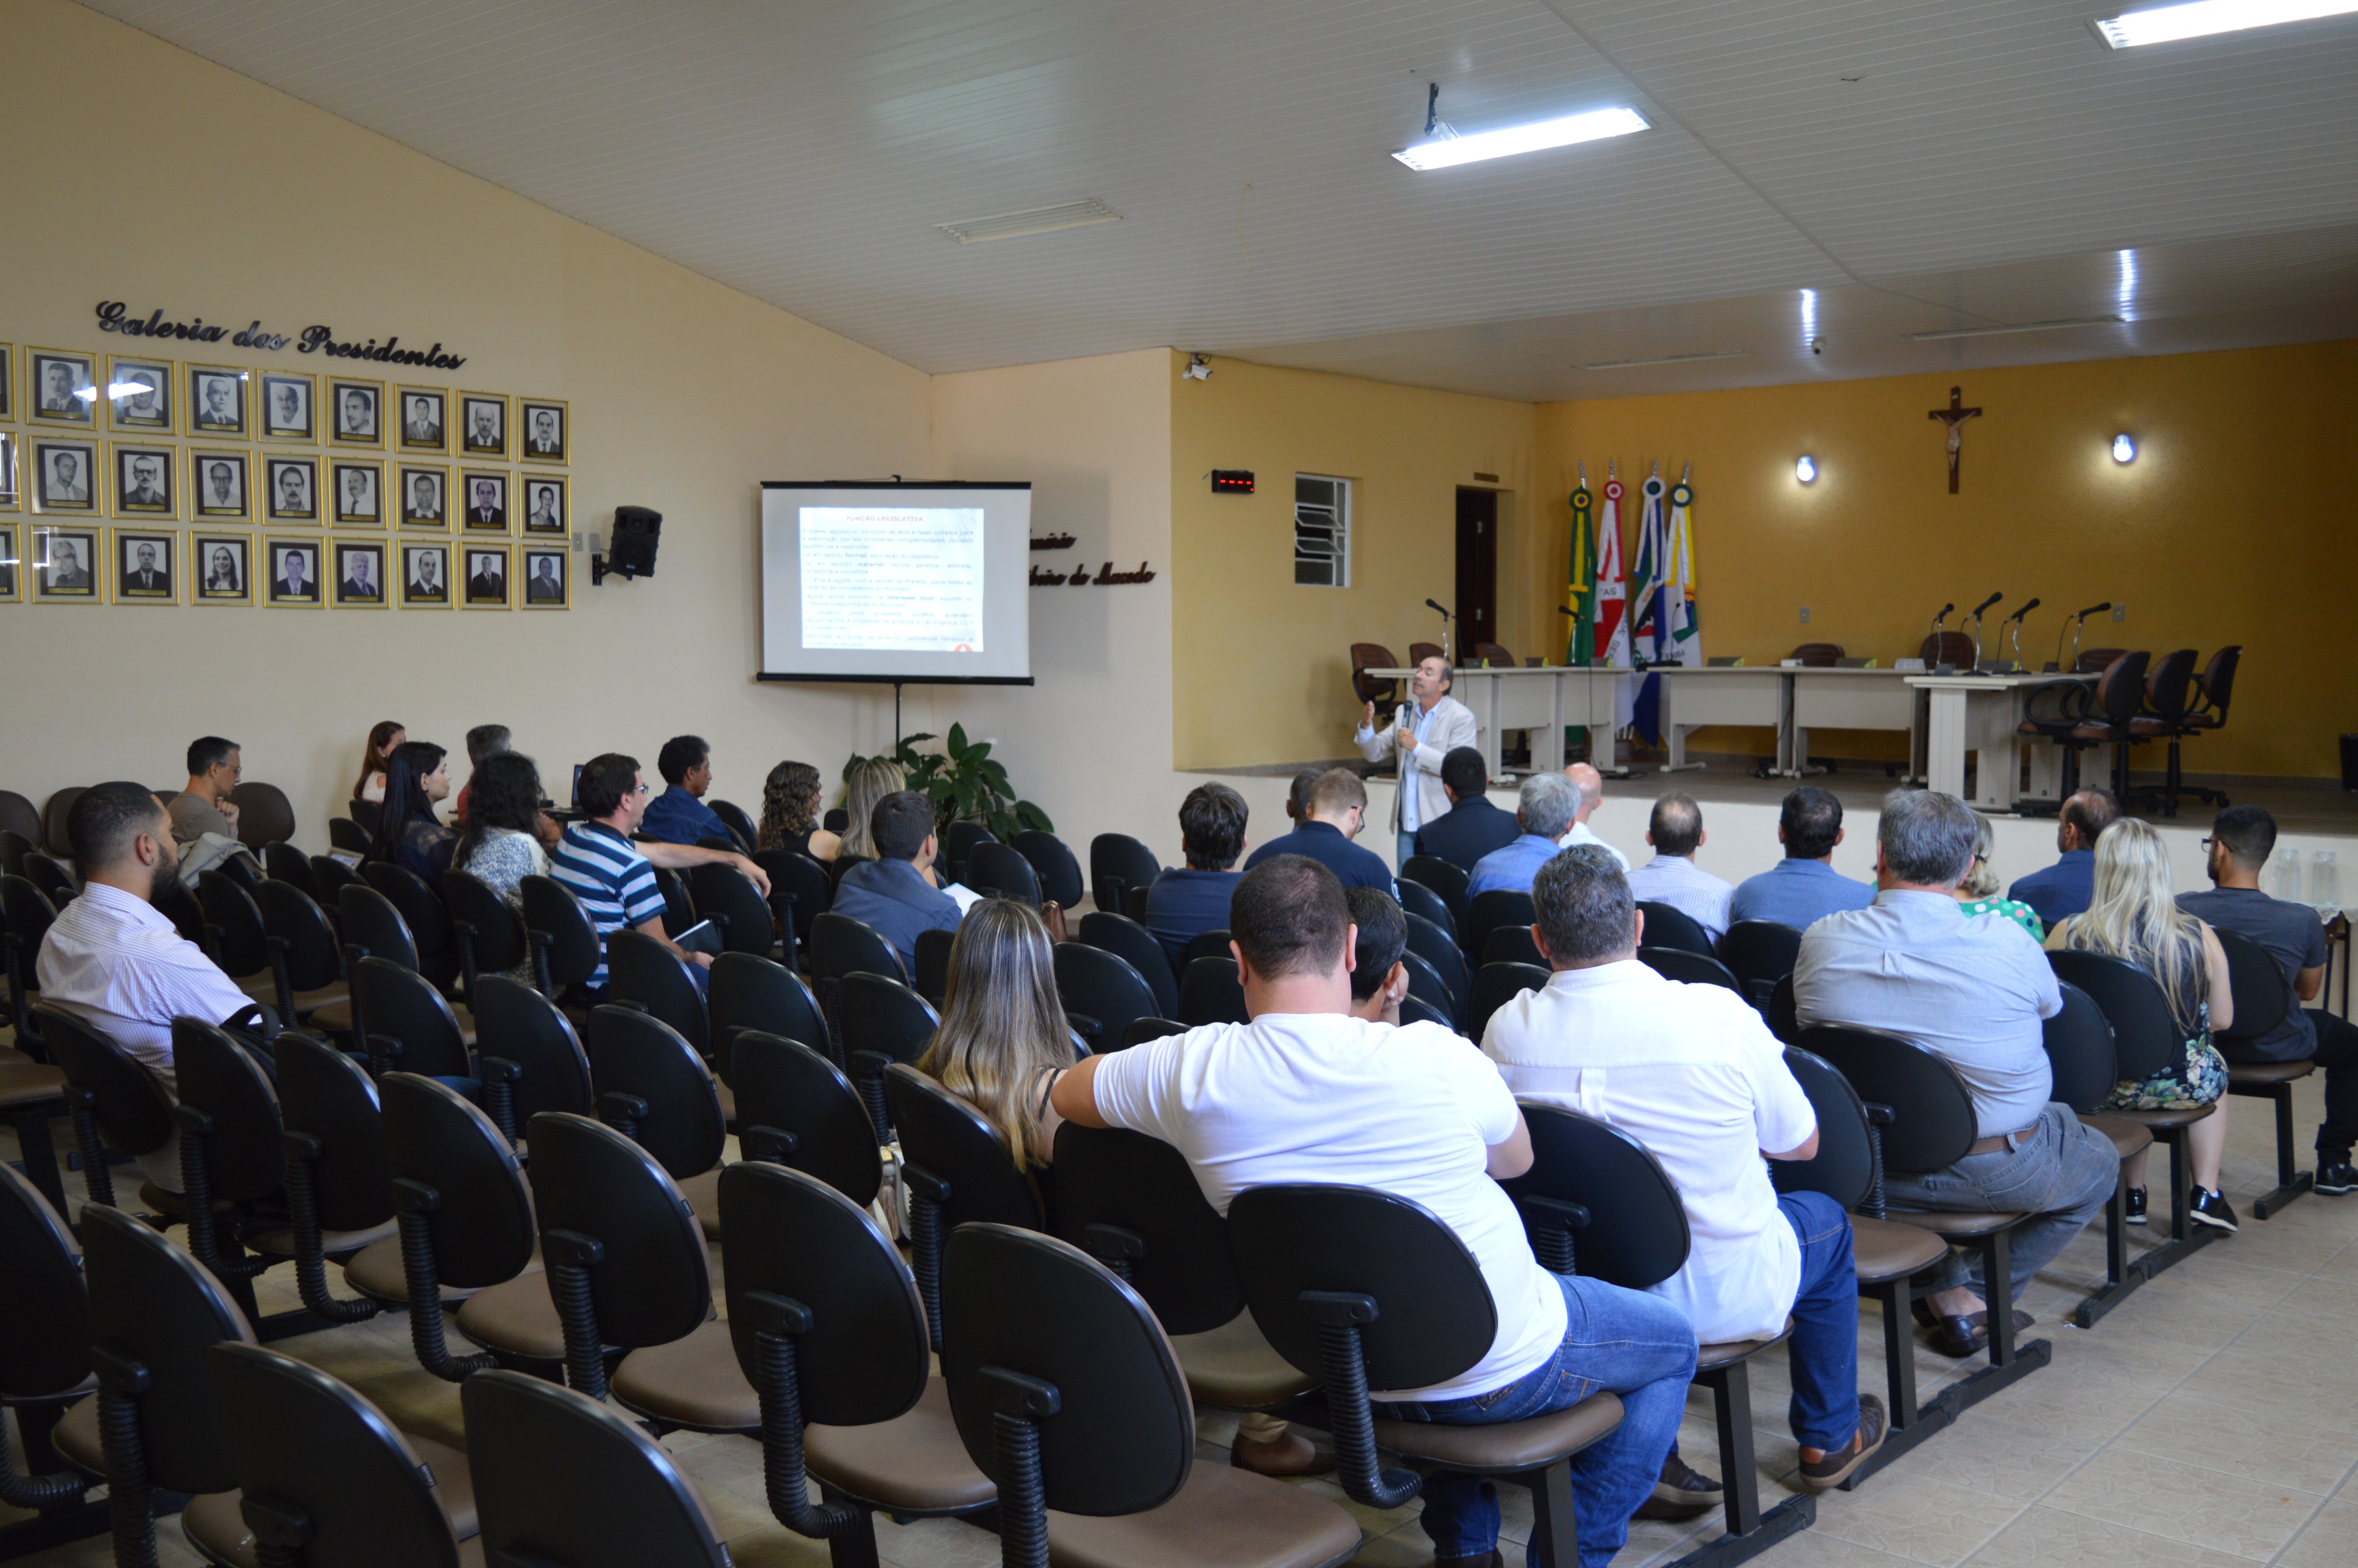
point(1954, 417)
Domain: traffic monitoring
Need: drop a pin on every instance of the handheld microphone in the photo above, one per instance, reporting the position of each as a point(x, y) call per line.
point(2024, 610)
point(1985, 603)
point(1566, 610)
point(2093, 609)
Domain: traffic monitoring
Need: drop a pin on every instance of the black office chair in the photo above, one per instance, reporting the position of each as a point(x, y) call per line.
point(239, 943)
point(796, 1108)
point(1425, 984)
point(800, 890)
point(1143, 1030)
point(408, 1024)
point(44, 1366)
point(333, 876)
point(1144, 952)
point(1689, 968)
point(1417, 899)
point(750, 993)
point(1207, 945)
point(1784, 1017)
point(1494, 986)
point(2263, 1000)
point(285, 863)
point(1489, 911)
point(15, 848)
point(1669, 926)
point(2168, 694)
point(679, 907)
point(2120, 691)
point(1759, 953)
point(25, 915)
point(2084, 1071)
point(1118, 863)
point(654, 1089)
point(883, 1021)
point(2214, 688)
point(959, 841)
point(727, 897)
point(841, 945)
point(1210, 993)
point(1446, 879)
point(1511, 945)
point(230, 1150)
point(488, 933)
point(1416, 1009)
point(421, 912)
point(740, 824)
point(1432, 941)
point(306, 959)
point(1134, 901)
point(566, 950)
point(1101, 992)
point(1000, 871)
point(348, 836)
point(957, 1169)
point(643, 973)
point(931, 980)
point(1051, 862)
point(339, 1189)
point(524, 1042)
point(117, 1106)
point(58, 885)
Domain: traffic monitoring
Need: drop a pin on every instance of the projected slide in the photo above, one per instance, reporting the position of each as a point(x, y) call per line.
point(902, 579)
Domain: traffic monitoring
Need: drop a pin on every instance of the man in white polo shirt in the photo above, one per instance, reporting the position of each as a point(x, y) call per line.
point(1693, 1074)
point(1307, 1093)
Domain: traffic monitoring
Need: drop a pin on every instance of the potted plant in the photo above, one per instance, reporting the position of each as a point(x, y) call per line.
point(965, 783)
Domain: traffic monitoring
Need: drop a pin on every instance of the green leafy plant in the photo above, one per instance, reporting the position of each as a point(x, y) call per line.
point(965, 783)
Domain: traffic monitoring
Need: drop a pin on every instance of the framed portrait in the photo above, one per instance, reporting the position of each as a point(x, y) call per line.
point(290, 490)
point(139, 396)
point(423, 490)
point(65, 475)
point(294, 580)
point(144, 480)
point(11, 497)
point(358, 487)
point(219, 485)
point(425, 424)
point(482, 425)
point(287, 406)
point(486, 584)
point(360, 575)
point(541, 423)
point(147, 567)
point(425, 577)
point(355, 413)
point(547, 579)
point(546, 508)
point(65, 565)
point(217, 400)
point(222, 566)
point(482, 501)
point(63, 387)
point(7, 381)
point(12, 566)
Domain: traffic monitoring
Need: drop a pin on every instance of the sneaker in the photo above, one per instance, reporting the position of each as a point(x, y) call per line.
point(1824, 1474)
point(2211, 1208)
point(1682, 1493)
point(2337, 1178)
point(2133, 1206)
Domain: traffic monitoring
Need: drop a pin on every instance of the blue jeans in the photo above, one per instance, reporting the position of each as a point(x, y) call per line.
point(1626, 1342)
point(1407, 850)
point(1823, 1352)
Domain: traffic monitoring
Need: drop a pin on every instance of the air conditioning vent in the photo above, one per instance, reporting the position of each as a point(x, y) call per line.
point(1037, 220)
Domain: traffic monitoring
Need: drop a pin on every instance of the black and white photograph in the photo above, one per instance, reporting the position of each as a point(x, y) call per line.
point(360, 575)
point(12, 576)
point(217, 400)
point(355, 413)
point(541, 423)
point(217, 485)
point(295, 574)
point(220, 562)
point(287, 406)
point(290, 490)
point(486, 583)
point(483, 502)
point(359, 488)
point(145, 569)
point(482, 425)
point(12, 494)
point(143, 481)
point(545, 506)
point(425, 492)
point(422, 423)
point(139, 396)
point(65, 475)
point(62, 387)
point(426, 577)
point(7, 381)
point(545, 575)
point(65, 565)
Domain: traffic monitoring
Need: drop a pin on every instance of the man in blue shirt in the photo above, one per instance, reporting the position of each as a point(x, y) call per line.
point(1184, 904)
point(1338, 807)
point(1544, 810)
point(679, 816)
point(892, 893)
point(1804, 887)
point(1472, 827)
point(2069, 886)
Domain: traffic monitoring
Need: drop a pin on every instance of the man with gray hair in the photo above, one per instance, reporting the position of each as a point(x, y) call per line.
point(1671, 877)
point(1419, 735)
point(1544, 810)
point(1974, 990)
point(1591, 785)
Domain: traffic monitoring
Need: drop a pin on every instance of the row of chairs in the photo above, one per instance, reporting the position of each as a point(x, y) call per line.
point(2136, 701)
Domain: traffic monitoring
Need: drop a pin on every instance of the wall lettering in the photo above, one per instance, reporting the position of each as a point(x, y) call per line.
point(114, 316)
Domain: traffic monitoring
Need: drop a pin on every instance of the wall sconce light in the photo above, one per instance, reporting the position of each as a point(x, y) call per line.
point(2124, 449)
point(1805, 468)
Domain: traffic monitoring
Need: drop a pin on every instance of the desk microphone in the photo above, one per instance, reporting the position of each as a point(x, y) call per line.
point(2091, 609)
point(1436, 605)
point(2015, 620)
point(1984, 604)
point(2072, 623)
point(1976, 618)
point(2024, 610)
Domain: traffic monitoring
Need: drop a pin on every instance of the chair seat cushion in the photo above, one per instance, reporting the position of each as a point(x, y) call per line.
point(334, 1018)
point(75, 1437)
point(175, 1203)
point(728, 1101)
point(1223, 1518)
point(912, 1463)
point(1882, 1250)
point(1726, 1353)
point(693, 1382)
point(2097, 729)
point(1509, 1446)
point(215, 1522)
point(2242, 1072)
point(703, 1196)
point(279, 1241)
point(2128, 1137)
point(514, 1315)
point(1955, 1222)
point(2164, 1120)
point(1234, 1367)
point(28, 1084)
point(376, 1272)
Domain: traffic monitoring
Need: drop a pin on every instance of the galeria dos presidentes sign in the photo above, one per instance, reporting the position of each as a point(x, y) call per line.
point(114, 316)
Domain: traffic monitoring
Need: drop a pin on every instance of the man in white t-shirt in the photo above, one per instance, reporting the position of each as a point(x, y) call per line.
point(1693, 1073)
point(1307, 1093)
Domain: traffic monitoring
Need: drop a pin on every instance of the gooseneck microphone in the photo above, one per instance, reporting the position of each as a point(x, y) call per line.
point(2072, 623)
point(1985, 603)
point(2026, 610)
point(2093, 610)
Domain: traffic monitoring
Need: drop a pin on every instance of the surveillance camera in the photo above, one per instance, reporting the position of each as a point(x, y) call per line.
point(1817, 345)
point(1196, 369)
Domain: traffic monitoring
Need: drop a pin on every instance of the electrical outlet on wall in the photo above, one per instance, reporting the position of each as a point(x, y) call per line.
point(2120, 612)
point(1805, 615)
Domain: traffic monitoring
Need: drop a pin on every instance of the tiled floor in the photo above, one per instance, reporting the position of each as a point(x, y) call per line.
point(2211, 1421)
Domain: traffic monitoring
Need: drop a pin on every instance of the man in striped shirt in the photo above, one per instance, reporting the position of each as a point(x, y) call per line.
point(613, 877)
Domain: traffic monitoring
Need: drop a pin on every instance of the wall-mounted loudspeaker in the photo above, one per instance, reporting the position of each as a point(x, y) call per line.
point(631, 549)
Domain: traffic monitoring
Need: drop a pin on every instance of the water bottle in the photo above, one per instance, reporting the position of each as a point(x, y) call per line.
point(2284, 877)
point(2324, 881)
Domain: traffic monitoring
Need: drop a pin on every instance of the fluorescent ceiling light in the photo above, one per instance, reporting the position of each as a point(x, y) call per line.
point(1034, 221)
point(1668, 359)
point(1595, 125)
point(1948, 332)
point(2168, 24)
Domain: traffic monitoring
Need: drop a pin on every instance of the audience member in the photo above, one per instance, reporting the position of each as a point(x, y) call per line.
point(1591, 786)
point(1003, 1034)
point(1378, 969)
point(1693, 1073)
point(115, 963)
point(1298, 792)
point(866, 784)
point(2064, 888)
point(2134, 918)
point(485, 742)
point(215, 766)
point(790, 813)
point(1184, 903)
point(1338, 809)
point(1472, 827)
point(1544, 810)
point(1671, 877)
point(1979, 892)
point(679, 816)
point(417, 779)
point(500, 845)
point(1307, 1093)
point(382, 737)
point(1975, 991)
point(613, 877)
point(2242, 839)
point(894, 891)
point(1422, 733)
point(1803, 888)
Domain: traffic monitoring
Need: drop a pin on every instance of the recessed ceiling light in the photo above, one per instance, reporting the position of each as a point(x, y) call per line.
point(1947, 332)
point(2168, 24)
point(1034, 221)
point(1667, 360)
point(1595, 125)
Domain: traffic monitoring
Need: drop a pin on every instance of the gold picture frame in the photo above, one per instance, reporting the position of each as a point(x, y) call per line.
point(474, 516)
point(64, 562)
point(290, 407)
point(282, 590)
point(218, 496)
point(358, 567)
point(474, 408)
point(422, 419)
point(475, 559)
point(150, 413)
point(144, 566)
point(7, 381)
point(416, 591)
point(356, 491)
point(12, 564)
point(143, 482)
point(428, 509)
point(220, 399)
point(355, 411)
point(58, 488)
point(283, 502)
point(544, 430)
point(547, 505)
point(71, 403)
point(542, 564)
point(207, 583)
point(12, 492)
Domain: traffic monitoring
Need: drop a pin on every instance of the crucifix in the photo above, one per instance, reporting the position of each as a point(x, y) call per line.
point(1954, 417)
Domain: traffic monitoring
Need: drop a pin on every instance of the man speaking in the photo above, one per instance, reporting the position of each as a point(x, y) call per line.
point(1422, 736)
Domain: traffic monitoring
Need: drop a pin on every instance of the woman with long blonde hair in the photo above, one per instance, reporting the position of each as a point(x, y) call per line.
point(1003, 1037)
point(866, 784)
point(2134, 916)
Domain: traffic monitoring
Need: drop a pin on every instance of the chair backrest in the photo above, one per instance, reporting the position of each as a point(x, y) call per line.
point(1122, 1439)
point(636, 1055)
point(679, 908)
point(654, 1284)
point(493, 930)
point(739, 824)
point(1134, 901)
point(2219, 679)
point(294, 923)
point(785, 1087)
point(1207, 945)
point(29, 913)
point(2262, 998)
point(133, 1111)
point(2120, 690)
point(882, 1016)
point(1493, 654)
point(1001, 869)
point(515, 1024)
point(1127, 939)
point(1669, 926)
point(1933, 1112)
point(1784, 1015)
point(1124, 1194)
point(369, 814)
point(759, 993)
point(54, 812)
point(1818, 655)
point(332, 877)
point(842, 944)
point(421, 912)
point(1119, 862)
point(1053, 863)
point(551, 914)
point(308, 1447)
point(958, 844)
point(1425, 983)
point(1511, 945)
point(15, 848)
point(1637, 1233)
point(345, 834)
point(373, 925)
point(933, 955)
point(236, 940)
point(948, 1137)
point(2080, 1053)
point(216, 1075)
point(45, 1305)
point(1210, 993)
point(728, 897)
point(1416, 1009)
point(1433, 941)
point(561, 1478)
point(642, 970)
point(1495, 985)
point(1946, 648)
point(2146, 1039)
point(2096, 661)
point(1366, 657)
point(153, 1303)
point(57, 884)
point(1759, 953)
point(794, 874)
point(324, 1093)
point(20, 816)
point(1418, 899)
point(398, 1004)
point(265, 816)
point(2169, 685)
point(1486, 912)
point(435, 1138)
point(1143, 1030)
point(1102, 992)
point(1843, 1166)
point(1420, 652)
point(1689, 968)
point(1446, 877)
